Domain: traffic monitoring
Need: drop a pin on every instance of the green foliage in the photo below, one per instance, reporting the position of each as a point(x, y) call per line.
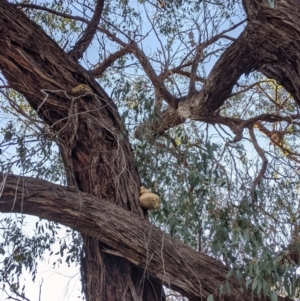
point(205, 181)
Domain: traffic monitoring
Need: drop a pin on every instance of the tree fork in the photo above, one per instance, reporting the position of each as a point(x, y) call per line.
point(92, 140)
point(90, 133)
point(269, 44)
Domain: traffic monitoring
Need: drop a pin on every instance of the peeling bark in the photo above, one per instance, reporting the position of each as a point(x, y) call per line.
point(98, 159)
point(127, 236)
point(92, 140)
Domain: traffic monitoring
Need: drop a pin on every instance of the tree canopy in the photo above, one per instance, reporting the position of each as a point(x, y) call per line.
point(198, 101)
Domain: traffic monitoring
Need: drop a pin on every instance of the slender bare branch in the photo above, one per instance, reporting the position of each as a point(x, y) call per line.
point(197, 58)
point(178, 70)
point(262, 155)
point(277, 139)
point(51, 11)
point(97, 72)
point(83, 43)
point(247, 88)
point(199, 54)
point(155, 79)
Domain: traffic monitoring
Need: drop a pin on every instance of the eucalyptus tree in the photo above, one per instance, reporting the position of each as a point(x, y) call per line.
point(118, 94)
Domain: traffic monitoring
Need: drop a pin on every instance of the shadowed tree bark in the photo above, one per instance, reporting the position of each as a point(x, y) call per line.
point(126, 264)
point(92, 141)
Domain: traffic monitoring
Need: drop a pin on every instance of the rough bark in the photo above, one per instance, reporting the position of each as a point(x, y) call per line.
point(129, 237)
point(86, 38)
point(270, 44)
point(93, 142)
point(97, 155)
point(274, 39)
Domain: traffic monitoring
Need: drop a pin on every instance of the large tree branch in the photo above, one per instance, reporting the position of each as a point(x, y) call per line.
point(127, 235)
point(269, 43)
point(83, 43)
point(234, 62)
point(82, 121)
point(276, 40)
point(199, 55)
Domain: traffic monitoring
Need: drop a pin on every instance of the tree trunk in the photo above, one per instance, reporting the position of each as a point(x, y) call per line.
point(92, 140)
